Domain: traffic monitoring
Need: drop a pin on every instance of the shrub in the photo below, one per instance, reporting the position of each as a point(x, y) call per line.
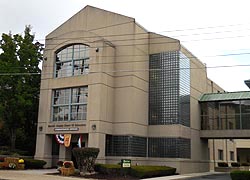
point(222, 164)
point(240, 175)
point(108, 168)
point(151, 171)
point(59, 163)
point(34, 163)
point(85, 158)
point(136, 171)
point(235, 164)
point(245, 164)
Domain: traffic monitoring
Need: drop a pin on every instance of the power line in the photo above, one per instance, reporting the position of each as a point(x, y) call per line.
point(177, 30)
point(163, 37)
point(100, 28)
point(209, 33)
point(142, 61)
point(128, 71)
point(208, 27)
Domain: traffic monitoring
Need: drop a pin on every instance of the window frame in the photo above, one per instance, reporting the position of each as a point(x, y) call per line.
point(71, 59)
point(69, 104)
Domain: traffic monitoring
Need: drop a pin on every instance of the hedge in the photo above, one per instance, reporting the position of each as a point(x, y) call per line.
point(240, 175)
point(151, 171)
point(108, 168)
point(136, 171)
point(245, 164)
point(235, 164)
point(222, 164)
point(34, 163)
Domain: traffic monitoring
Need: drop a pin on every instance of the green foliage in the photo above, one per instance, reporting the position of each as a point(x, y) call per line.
point(240, 175)
point(14, 153)
point(222, 164)
point(136, 171)
point(235, 164)
point(108, 168)
point(34, 163)
point(19, 87)
point(85, 158)
point(151, 171)
point(245, 164)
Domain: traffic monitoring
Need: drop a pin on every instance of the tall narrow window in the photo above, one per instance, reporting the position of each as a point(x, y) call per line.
point(72, 61)
point(220, 154)
point(231, 155)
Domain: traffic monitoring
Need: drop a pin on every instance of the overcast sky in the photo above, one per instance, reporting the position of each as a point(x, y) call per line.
point(216, 31)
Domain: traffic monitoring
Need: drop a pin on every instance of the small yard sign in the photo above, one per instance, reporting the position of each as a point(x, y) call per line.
point(126, 163)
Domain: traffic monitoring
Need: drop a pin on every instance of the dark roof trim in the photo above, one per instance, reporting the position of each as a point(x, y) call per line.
point(227, 96)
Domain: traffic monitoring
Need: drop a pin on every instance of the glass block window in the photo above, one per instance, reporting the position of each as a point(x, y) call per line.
point(70, 104)
point(184, 93)
point(169, 147)
point(169, 89)
point(133, 146)
point(72, 61)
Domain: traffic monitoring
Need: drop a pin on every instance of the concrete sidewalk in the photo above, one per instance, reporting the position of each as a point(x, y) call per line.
point(184, 176)
point(32, 175)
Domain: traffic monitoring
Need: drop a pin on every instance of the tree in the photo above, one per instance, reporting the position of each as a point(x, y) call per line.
point(19, 83)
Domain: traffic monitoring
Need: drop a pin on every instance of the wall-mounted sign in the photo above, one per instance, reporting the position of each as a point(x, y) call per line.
point(66, 129)
point(66, 126)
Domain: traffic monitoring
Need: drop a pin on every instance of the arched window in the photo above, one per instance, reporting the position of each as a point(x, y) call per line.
point(72, 61)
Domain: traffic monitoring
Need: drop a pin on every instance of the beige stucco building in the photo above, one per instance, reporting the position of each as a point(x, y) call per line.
point(132, 93)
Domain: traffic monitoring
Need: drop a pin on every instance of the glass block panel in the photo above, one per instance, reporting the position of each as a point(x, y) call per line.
point(169, 147)
point(133, 146)
point(169, 89)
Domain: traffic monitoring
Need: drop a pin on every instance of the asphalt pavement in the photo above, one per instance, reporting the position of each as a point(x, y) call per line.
point(42, 175)
point(212, 177)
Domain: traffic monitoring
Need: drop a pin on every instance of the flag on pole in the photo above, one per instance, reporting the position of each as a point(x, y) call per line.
point(80, 141)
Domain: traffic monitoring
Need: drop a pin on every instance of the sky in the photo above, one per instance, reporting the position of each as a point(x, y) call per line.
point(215, 31)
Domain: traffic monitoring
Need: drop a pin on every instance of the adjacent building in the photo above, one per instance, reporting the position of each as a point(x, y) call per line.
point(130, 92)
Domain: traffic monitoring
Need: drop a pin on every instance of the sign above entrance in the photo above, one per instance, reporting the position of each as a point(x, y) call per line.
point(66, 129)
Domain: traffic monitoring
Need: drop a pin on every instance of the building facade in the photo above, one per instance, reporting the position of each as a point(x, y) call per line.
point(132, 93)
